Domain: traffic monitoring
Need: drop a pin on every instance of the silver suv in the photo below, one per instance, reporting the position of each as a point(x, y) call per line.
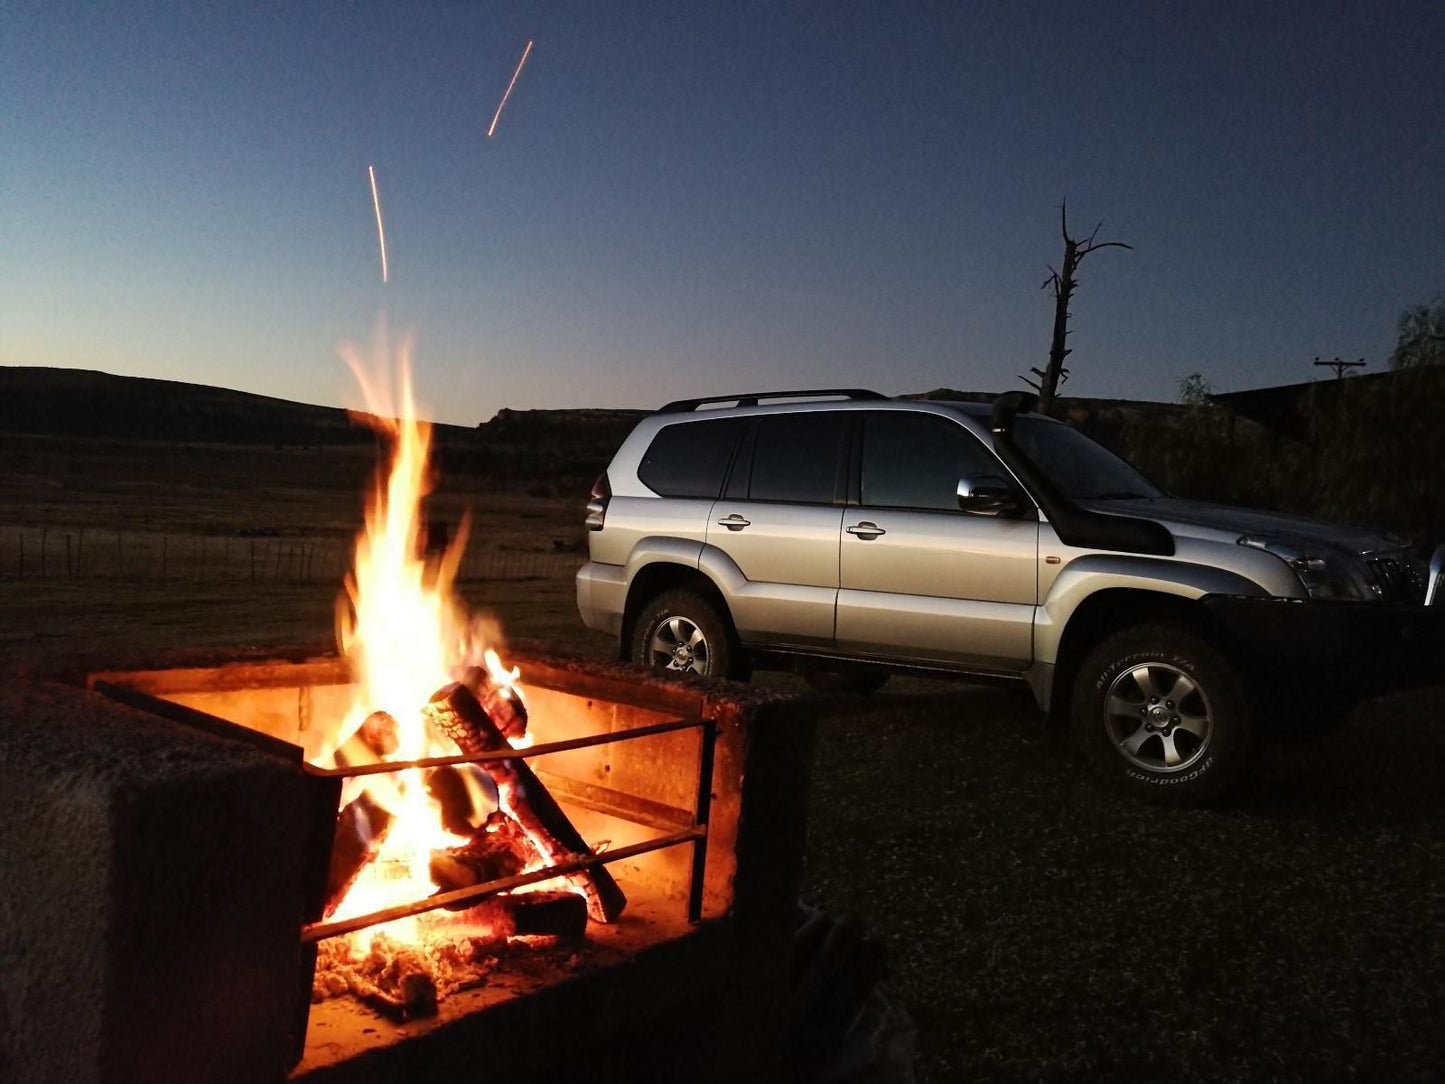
point(848, 535)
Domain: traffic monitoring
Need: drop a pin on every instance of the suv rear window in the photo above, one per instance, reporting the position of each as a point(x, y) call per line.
point(689, 459)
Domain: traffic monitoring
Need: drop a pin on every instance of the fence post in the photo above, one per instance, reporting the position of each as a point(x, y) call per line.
point(44, 531)
point(21, 536)
point(119, 556)
point(69, 571)
point(165, 549)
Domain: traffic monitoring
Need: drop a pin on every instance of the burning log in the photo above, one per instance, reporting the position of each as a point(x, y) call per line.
point(561, 914)
point(375, 739)
point(500, 701)
point(548, 914)
point(498, 849)
point(459, 715)
point(360, 831)
point(362, 826)
point(449, 790)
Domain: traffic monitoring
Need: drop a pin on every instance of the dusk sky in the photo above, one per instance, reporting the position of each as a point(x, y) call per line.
point(694, 198)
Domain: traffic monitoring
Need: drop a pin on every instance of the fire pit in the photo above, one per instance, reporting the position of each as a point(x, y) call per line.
point(415, 858)
point(691, 799)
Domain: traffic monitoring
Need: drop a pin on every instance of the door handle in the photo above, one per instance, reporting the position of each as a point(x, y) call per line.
point(734, 522)
point(867, 530)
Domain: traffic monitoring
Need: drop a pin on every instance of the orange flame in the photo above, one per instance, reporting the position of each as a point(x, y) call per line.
point(405, 636)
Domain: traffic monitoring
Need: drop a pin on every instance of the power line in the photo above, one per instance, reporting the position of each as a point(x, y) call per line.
point(1340, 366)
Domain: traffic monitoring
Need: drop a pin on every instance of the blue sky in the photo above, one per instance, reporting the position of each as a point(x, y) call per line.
point(689, 198)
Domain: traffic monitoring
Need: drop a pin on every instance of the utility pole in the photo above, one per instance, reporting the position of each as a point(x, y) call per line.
point(1340, 366)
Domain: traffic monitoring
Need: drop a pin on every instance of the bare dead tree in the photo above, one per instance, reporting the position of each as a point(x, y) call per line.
point(1063, 284)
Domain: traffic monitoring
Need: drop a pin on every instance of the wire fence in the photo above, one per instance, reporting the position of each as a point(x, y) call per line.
point(68, 553)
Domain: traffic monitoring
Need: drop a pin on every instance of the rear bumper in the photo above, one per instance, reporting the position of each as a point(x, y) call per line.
point(1364, 647)
point(601, 596)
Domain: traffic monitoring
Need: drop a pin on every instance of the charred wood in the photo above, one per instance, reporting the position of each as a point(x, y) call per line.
point(548, 914)
point(560, 914)
point(458, 714)
point(375, 739)
point(449, 790)
point(501, 702)
point(361, 828)
point(498, 849)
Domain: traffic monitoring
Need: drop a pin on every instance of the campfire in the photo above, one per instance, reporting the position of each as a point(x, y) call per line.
point(426, 846)
point(429, 806)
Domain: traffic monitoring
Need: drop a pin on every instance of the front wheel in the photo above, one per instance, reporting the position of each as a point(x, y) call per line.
point(683, 632)
point(1160, 712)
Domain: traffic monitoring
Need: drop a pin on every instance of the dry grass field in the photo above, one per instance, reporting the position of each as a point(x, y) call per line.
point(1038, 928)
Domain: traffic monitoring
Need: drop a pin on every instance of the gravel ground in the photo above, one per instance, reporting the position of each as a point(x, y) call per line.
point(1038, 927)
point(1041, 928)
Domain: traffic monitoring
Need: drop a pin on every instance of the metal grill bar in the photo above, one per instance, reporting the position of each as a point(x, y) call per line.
point(658, 816)
point(386, 766)
point(318, 931)
point(701, 810)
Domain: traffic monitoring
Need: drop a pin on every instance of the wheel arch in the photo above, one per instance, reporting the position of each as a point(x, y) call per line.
point(656, 578)
point(1107, 611)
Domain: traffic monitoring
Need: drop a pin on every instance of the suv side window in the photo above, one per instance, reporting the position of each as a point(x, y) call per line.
point(798, 457)
point(689, 459)
point(914, 460)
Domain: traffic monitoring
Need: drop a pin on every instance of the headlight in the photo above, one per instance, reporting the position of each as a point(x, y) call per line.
point(1324, 572)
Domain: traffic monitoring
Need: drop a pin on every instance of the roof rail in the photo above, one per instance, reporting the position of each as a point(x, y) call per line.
point(681, 406)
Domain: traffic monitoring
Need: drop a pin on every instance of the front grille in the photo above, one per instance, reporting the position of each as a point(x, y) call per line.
point(1395, 577)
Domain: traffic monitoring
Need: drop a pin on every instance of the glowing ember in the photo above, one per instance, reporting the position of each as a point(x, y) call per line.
point(503, 103)
point(380, 231)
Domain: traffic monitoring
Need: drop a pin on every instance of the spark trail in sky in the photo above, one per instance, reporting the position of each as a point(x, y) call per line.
point(380, 232)
point(503, 103)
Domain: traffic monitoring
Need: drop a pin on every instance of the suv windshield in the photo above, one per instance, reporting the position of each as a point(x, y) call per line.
point(1083, 470)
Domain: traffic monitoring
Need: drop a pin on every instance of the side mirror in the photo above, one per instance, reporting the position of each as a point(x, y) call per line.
point(987, 496)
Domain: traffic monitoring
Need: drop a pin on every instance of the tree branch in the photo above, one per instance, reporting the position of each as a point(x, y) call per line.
point(1091, 247)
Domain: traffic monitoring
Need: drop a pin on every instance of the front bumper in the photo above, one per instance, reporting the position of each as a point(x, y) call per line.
point(1364, 647)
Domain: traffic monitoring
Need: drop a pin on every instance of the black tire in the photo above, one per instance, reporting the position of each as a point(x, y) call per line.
point(852, 682)
point(1193, 735)
point(683, 632)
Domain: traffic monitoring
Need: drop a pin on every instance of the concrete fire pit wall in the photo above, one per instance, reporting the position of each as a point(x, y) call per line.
point(149, 895)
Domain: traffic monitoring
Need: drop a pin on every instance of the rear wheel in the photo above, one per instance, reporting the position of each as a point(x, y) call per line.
point(1160, 712)
point(684, 632)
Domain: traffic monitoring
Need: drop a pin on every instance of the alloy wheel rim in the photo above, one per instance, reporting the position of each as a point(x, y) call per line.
point(1158, 717)
point(678, 644)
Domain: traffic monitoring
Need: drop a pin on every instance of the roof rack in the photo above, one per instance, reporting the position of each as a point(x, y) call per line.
point(753, 398)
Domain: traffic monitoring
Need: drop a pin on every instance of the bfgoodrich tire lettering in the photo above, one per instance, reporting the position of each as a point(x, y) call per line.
point(684, 632)
point(1158, 711)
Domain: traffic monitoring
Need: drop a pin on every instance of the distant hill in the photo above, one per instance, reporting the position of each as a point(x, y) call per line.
point(83, 403)
point(563, 447)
